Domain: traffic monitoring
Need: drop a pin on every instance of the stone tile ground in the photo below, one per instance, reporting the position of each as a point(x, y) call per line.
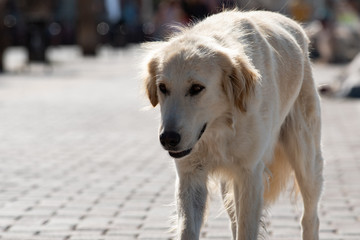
point(80, 158)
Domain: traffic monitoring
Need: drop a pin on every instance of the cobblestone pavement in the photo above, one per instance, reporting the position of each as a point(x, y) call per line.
point(80, 158)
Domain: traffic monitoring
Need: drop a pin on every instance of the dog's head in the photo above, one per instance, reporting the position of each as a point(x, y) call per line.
point(196, 82)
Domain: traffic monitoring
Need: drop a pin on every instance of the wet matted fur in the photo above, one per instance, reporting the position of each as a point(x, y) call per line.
point(238, 100)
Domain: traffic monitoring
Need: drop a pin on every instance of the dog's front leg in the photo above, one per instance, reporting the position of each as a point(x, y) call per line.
point(248, 193)
point(191, 202)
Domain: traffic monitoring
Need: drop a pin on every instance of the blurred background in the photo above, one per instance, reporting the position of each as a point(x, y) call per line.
point(81, 161)
point(36, 25)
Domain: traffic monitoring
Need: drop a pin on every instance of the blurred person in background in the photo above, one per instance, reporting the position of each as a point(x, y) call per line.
point(3, 40)
point(113, 9)
point(117, 29)
point(63, 28)
point(37, 15)
point(196, 9)
point(87, 36)
point(300, 10)
point(336, 36)
point(132, 20)
point(346, 35)
point(169, 13)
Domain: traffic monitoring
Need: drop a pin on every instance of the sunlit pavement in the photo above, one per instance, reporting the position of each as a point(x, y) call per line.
point(80, 157)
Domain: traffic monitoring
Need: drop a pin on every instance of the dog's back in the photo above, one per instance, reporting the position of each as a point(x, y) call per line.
point(275, 45)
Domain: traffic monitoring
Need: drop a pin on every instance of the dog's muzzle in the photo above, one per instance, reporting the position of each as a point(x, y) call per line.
point(171, 139)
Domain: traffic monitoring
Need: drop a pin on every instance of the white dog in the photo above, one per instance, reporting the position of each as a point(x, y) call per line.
point(238, 101)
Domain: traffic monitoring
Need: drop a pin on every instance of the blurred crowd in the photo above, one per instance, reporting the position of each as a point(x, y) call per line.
point(333, 25)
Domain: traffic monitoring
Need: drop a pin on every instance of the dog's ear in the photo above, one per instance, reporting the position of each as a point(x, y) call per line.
point(239, 79)
point(150, 81)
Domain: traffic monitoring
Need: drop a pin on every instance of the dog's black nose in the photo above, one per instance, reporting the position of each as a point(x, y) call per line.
point(170, 139)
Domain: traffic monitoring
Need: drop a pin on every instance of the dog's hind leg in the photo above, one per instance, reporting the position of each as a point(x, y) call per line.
point(310, 188)
point(307, 164)
point(248, 198)
point(228, 199)
point(300, 135)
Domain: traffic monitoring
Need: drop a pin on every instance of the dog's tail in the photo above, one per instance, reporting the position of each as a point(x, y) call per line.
point(277, 176)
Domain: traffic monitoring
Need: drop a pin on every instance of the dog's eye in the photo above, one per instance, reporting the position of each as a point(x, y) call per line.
point(163, 88)
point(195, 89)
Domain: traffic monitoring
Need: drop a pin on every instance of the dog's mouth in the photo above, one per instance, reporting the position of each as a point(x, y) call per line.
point(180, 154)
point(202, 131)
point(188, 151)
